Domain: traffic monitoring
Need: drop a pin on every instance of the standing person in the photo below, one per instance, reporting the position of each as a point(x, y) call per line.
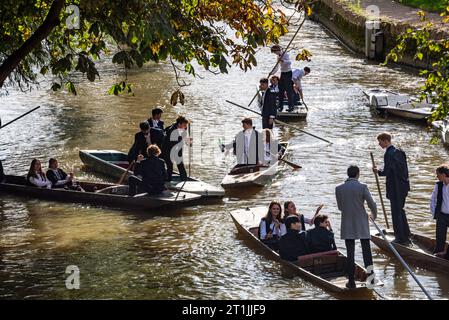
point(439, 207)
point(398, 185)
point(297, 75)
point(285, 82)
point(156, 125)
point(140, 142)
point(351, 196)
point(274, 87)
point(2, 173)
point(267, 104)
point(173, 145)
point(153, 173)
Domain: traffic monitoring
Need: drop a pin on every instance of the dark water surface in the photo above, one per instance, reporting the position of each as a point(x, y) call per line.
point(195, 253)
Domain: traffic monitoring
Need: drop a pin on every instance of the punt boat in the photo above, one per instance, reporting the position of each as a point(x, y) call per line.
point(114, 164)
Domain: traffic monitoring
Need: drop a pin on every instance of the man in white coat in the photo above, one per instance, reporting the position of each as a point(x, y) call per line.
point(351, 196)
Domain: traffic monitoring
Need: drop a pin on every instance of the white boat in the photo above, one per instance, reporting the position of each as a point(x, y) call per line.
point(442, 126)
point(114, 164)
point(252, 176)
point(299, 113)
point(400, 105)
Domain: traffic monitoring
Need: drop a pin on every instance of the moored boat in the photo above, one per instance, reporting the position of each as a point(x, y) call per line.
point(252, 176)
point(325, 269)
point(442, 126)
point(418, 254)
point(381, 98)
point(98, 194)
point(114, 164)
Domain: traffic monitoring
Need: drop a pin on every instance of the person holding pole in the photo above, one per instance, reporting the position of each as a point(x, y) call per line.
point(351, 196)
point(396, 172)
point(439, 206)
point(285, 83)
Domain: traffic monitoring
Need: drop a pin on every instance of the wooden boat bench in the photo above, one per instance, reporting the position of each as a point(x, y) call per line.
point(123, 164)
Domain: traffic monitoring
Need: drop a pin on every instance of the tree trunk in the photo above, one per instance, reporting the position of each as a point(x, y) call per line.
point(50, 22)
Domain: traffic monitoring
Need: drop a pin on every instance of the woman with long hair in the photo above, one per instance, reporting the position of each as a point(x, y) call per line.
point(270, 226)
point(36, 176)
point(290, 210)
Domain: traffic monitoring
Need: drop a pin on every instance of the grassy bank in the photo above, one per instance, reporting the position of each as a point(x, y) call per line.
point(428, 5)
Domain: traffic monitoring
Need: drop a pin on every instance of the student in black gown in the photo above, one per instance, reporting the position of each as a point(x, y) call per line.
point(294, 243)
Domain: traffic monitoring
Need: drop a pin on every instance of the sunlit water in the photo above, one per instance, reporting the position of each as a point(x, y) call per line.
point(196, 253)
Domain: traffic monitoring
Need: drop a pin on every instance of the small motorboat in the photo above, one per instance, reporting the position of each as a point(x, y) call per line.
point(442, 126)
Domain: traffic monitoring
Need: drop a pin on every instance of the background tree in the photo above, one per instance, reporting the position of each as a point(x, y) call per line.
point(425, 45)
point(36, 37)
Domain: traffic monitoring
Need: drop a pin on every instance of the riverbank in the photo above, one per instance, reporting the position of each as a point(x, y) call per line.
point(346, 20)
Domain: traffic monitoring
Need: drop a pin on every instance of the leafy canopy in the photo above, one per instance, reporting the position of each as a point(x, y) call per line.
point(135, 32)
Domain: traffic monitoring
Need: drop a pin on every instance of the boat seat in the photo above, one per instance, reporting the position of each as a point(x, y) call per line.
point(245, 169)
point(302, 259)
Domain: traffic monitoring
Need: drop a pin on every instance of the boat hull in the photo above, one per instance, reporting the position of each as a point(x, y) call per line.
point(247, 220)
point(107, 195)
point(420, 254)
point(114, 164)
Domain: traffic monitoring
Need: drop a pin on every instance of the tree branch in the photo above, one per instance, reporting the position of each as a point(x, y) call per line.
point(50, 22)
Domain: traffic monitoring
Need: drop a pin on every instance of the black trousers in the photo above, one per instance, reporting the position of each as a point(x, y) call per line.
point(181, 168)
point(265, 123)
point(350, 251)
point(441, 231)
point(400, 223)
point(286, 84)
point(136, 186)
point(2, 174)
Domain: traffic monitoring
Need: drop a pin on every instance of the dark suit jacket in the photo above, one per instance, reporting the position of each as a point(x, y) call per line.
point(292, 245)
point(320, 239)
point(160, 124)
point(153, 172)
point(396, 173)
point(269, 107)
point(53, 179)
point(157, 133)
point(2, 174)
point(168, 144)
point(141, 144)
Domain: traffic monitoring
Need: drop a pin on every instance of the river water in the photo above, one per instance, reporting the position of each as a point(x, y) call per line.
point(196, 253)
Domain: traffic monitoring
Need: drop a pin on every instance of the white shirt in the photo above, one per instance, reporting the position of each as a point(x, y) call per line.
point(284, 63)
point(297, 75)
point(155, 123)
point(273, 229)
point(433, 200)
point(40, 181)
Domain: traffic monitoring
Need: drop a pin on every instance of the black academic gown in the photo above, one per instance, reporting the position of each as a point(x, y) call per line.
point(153, 174)
point(269, 108)
point(292, 245)
point(320, 239)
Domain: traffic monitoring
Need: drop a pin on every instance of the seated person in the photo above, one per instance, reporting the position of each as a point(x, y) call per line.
point(290, 210)
point(153, 173)
point(294, 243)
point(36, 177)
point(270, 226)
point(60, 179)
point(321, 238)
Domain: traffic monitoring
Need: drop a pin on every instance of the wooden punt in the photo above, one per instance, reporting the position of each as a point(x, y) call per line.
point(418, 254)
point(252, 176)
point(325, 269)
point(97, 194)
point(113, 163)
point(299, 112)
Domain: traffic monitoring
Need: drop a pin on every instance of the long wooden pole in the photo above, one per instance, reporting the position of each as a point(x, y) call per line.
point(380, 192)
point(126, 172)
point(396, 253)
point(286, 48)
point(190, 151)
point(280, 122)
point(23, 115)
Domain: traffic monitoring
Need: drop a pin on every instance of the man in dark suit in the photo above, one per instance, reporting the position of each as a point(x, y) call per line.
point(267, 104)
point(153, 173)
point(140, 142)
point(293, 244)
point(156, 125)
point(173, 145)
point(60, 179)
point(321, 238)
point(398, 185)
